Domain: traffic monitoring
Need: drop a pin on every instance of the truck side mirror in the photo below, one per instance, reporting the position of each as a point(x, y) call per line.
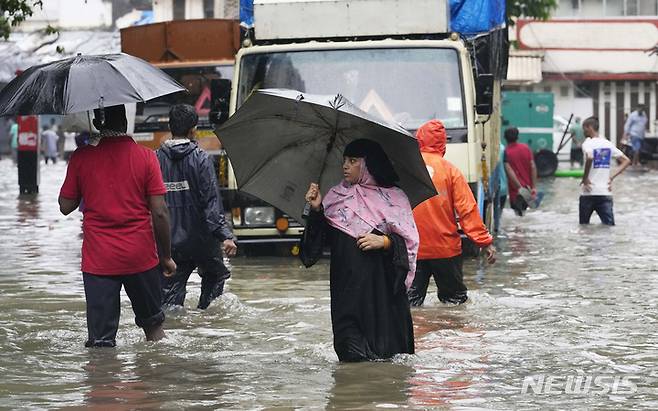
point(484, 94)
point(220, 96)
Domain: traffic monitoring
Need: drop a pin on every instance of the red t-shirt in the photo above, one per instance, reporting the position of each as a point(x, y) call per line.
point(519, 157)
point(114, 180)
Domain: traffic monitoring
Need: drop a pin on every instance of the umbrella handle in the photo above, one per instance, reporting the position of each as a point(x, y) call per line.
point(307, 210)
point(102, 111)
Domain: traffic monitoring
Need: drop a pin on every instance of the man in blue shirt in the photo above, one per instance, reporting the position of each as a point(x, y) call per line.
point(635, 127)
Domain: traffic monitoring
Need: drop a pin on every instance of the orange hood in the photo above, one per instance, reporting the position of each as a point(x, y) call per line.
point(432, 137)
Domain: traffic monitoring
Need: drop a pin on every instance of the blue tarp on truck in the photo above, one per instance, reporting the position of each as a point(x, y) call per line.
point(470, 17)
point(247, 13)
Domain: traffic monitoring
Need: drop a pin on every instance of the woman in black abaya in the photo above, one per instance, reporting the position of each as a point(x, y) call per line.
point(368, 224)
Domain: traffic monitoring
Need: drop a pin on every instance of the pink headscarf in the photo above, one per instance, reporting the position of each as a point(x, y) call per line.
point(357, 209)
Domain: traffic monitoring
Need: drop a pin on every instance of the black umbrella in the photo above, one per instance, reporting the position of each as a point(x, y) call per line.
point(84, 83)
point(280, 141)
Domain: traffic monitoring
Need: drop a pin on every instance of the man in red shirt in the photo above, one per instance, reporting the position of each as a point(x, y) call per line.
point(440, 251)
point(520, 169)
point(124, 207)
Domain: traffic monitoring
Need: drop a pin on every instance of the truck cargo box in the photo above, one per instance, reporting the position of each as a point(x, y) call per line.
point(308, 19)
point(183, 41)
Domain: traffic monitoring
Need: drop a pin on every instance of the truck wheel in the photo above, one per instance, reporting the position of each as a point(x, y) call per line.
point(546, 162)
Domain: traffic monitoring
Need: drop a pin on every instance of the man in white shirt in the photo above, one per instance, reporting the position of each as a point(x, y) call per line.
point(49, 143)
point(597, 180)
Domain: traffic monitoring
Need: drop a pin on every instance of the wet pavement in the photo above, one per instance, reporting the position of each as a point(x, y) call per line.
point(564, 305)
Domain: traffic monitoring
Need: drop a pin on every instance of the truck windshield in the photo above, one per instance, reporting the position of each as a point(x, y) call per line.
point(407, 86)
point(197, 81)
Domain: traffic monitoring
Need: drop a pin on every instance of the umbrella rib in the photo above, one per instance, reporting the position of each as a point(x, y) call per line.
point(321, 117)
point(109, 63)
point(330, 144)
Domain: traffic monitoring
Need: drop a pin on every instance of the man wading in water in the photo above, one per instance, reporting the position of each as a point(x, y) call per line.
point(123, 192)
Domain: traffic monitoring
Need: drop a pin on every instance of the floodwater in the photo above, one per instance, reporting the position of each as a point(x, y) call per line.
point(564, 305)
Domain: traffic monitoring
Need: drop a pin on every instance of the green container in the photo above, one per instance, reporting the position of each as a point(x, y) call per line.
point(570, 173)
point(532, 114)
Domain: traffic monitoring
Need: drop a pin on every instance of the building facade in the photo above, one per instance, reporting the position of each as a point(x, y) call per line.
point(166, 10)
point(89, 14)
point(599, 58)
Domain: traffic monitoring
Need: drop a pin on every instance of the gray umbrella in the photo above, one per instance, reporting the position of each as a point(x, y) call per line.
point(83, 83)
point(280, 141)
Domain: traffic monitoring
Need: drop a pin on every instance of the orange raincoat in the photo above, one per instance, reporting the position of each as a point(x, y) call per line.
point(435, 217)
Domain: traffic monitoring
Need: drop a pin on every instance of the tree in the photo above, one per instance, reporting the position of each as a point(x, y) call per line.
point(14, 12)
point(534, 9)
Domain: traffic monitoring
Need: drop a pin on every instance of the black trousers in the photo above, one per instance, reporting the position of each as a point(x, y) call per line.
point(601, 204)
point(103, 293)
point(448, 276)
point(213, 275)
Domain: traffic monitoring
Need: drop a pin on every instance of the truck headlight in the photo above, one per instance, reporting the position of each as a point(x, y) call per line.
point(259, 216)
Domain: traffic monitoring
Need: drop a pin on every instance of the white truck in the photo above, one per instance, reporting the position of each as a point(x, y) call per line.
point(396, 59)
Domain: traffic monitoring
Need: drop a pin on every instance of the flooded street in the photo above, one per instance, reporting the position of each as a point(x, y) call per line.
point(563, 303)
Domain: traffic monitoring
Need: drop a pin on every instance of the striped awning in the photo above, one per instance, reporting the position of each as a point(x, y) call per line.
point(524, 67)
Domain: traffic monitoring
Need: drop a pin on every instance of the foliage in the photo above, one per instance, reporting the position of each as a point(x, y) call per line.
point(13, 12)
point(533, 9)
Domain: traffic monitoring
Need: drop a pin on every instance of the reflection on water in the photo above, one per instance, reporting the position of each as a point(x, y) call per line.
point(111, 382)
point(562, 300)
point(369, 385)
point(27, 208)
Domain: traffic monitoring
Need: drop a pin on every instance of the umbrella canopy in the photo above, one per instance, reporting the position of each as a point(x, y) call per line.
point(84, 83)
point(280, 141)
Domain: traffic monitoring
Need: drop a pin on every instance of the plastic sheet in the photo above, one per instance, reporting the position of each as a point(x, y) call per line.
point(470, 17)
point(247, 13)
point(491, 52)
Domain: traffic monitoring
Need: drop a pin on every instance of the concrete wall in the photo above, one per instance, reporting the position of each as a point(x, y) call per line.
point(600, 67)
point(223, 9)
point(70, 15)
point(593, 46)
point(163, 10)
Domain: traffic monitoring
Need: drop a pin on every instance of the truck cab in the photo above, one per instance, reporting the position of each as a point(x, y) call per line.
point(404, 67)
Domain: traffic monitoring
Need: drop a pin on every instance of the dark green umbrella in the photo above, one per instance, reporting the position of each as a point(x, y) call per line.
point(280, 141)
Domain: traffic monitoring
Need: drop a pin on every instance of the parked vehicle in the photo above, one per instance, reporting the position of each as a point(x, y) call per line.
point(199, 54)
point(404, 66)
point(532, 114)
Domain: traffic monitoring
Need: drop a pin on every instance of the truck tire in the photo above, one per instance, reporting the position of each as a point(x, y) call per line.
point(546, 163)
